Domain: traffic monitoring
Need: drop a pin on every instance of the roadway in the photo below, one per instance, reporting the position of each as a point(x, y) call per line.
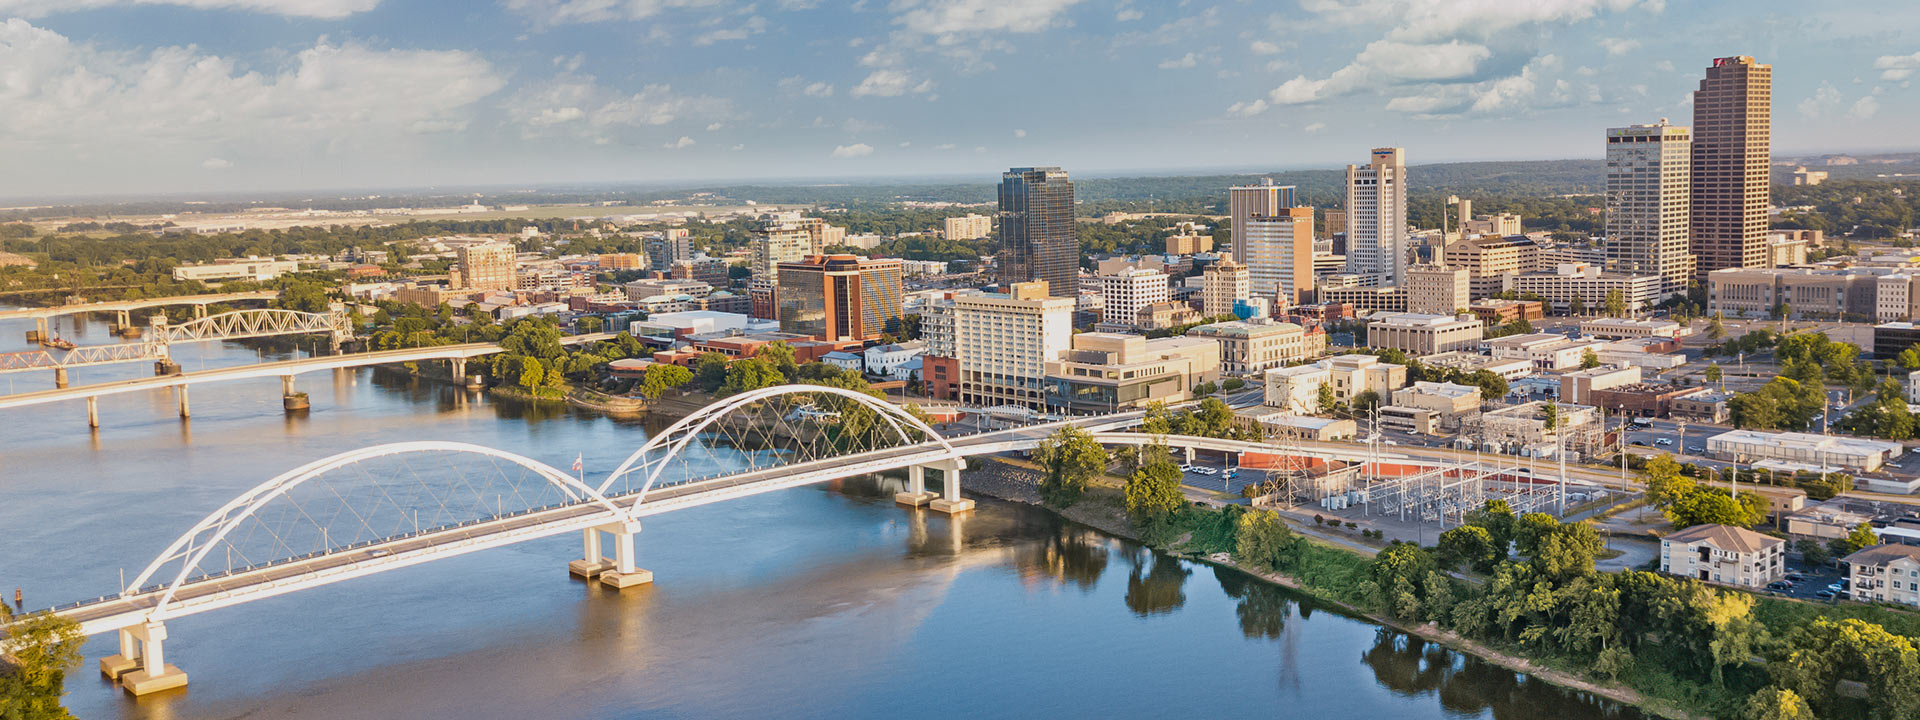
point(119, 305)
point(272, 369)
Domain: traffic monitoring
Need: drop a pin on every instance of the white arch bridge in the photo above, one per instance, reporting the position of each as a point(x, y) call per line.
point(392, 506)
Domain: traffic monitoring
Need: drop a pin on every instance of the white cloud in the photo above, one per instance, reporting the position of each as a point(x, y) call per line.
point(215, 164)
point(581, 103)
point(1664, 66)
point(906, 143)
point(1262, 47)
point(1128, 15)
point(1825, 98)
point(949, 17)
point(1185, 61)
point(562, 12)
point(890, 82)
point(1247, 109)
point(338, 97)
point(1019, 133)
point(683, 142)
point(1897, 67)
point(1619, 46)
point(1424, 20)
point(1864, 108)
point(1386, 61)
point(556, 116)
point(737, 147)
point(944, 146)
point(715, 126)
point(1315, 127)
point(852, 151)
point(753, 25)
point(819, 90)
point(328, 9)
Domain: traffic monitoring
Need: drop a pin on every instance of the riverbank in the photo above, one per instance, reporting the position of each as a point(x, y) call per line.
point(1018, 481)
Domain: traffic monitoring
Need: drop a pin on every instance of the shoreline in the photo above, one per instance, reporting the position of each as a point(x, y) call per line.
point(999, 486)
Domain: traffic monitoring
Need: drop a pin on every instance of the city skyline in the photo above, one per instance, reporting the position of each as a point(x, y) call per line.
point(119, 97)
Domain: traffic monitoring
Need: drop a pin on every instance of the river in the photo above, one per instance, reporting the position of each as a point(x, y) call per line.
point(826, 602)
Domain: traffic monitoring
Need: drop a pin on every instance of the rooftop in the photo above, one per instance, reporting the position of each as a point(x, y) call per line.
point(1726, 537)
point(1883, 554)
point(1809, 441)
point(1242, 328)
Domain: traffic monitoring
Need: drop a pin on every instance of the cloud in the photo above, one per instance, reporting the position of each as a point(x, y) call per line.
point(1426, 20)
point(1386, 62)
point(852, 151)
point(1897, 67)
point(798, 85)
point(1262, 47)
point(215, 164)
point(1019, 133)
point(564, 12)
point(1128, 15)
point(1864, 108)
point(715, 126)
point(325, 9)
point(890, 82)
point(944, 146)
point(580, 103)
point(1186, 61)
point(1824, 98)
point(683, 142)
point(950, 17)
point(1619, 46)
point(56, 91)
point(819, 90)
point(753, 25)
point(1247, 109)
point(1508, 94)
point(1315, 127)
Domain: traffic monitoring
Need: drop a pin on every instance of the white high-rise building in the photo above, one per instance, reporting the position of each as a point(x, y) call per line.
point(1246, 202)
point(1223, 283)
point(1377, 217)
point(1125, 292)
point(1004, 342)
point(968, 227)
point(1279, 252)
point(1649, 203)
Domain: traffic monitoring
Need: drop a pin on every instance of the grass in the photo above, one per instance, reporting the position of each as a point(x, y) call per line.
point(1782, 616)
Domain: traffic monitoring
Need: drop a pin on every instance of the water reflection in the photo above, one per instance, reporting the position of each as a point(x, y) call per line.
point(1157, 584)
point(1262, 608)
point(1412, 666)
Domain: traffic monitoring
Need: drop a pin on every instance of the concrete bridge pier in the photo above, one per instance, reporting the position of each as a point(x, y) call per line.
point(292, 400)
point(950, 501)
point(624, 575)
point(1189, 454)
point(122, 320)
point(60, 378)
point(916, 494)
point(593, 562)
point(199, 310)
point(459, 365)
point(184, 412)
point(93, 411)
point(39, 331)
point(141, 666)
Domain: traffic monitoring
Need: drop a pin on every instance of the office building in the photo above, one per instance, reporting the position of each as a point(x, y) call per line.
point(1648, 201)
point(1297, 389)
point(1586, 282)
point(778, 238)
point(1365, 299)
point(1377, 217)
point(1724, 554)
point(1803, 176)
point(1489, 260)
point(620, 261)
point(1437, 289)
point(1124, 293)
point(1419, 334)
point(671, 247)
point(1253, 347)
point(840, 298)
point(1221, 284)
point(1038, 240)
point(1823, 294)
point(997, 345)
point(1732, 142)
point(967, 227)
point(1105, 372)
point(1278, 252)
point(1245, 202)
point(485, 266)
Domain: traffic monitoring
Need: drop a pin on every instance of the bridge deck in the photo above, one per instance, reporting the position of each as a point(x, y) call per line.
point(58, 310)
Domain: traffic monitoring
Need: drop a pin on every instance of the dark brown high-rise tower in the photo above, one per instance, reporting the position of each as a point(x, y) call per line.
point(1038, 240)
point(1732, 140)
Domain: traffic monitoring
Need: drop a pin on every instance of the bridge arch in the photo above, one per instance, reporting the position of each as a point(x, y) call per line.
point(255, 322)
point(675, 439)
point(192, 548)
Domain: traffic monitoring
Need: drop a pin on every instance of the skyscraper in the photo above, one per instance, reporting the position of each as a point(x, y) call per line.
point(1732, 144)
point(840, 298)
point(1223, 283)
point(1377, 217)
point(780, 237)
point(1279, 252)
point(671, 247)
point(1037, 238)
point(486, 266)
point(1648, 200)
point(1246, 201)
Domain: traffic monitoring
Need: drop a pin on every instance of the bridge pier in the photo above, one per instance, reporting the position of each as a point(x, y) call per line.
point(624, 575)
point(164, 367)
point(950, 501)
point(916, 494)
point(122, 320)
point(459, 365)
point(93, 411)
point(1189, 454)
point(141, 666)
point(199, 310)
point(60, 378)
point(593, 562)
point(184, 413)
point(39, 331)
point(291, 400)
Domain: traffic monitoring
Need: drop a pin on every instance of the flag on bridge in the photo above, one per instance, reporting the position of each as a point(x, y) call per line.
point(577, 464)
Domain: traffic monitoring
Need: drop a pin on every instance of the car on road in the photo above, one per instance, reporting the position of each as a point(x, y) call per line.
point(1641, 443)
point(1186, 468)
point(1663, 441)
point(1695, 449)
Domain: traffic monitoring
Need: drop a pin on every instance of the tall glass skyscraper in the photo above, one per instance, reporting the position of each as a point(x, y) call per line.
point(1038, 240)
point(1732, 144)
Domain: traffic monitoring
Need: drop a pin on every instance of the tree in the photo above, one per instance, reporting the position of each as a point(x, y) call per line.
point(1497, 517)
point(1616, 303)
point(1365, 401)
point(748, 375)
point(1813, 552)
point(1715, 329)
point(1157, 421)
point(1470, 544)
point(1530, 530)
point(710, 369)
point(780, 356)
point(1492, 386)
point(1780, 312)
point(1577, 307)
point(42, 647)
point(1397, 576)
point(1568, 551)
point(1070, 457)
point(1154, 489)
point(662, 377)
point(1262, 541)
point(1589, 359)
point(1777, 704)
point(1860, 538)
point(1706, 506)
point(588, 324)
point(1715, 374)
point(1665, 483)
point(1327, 400)
point(1908, 359)
point(531, 374)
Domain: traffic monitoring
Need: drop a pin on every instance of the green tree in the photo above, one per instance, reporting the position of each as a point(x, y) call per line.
point(1492, 386)
point(780, 356)
point(1470, 544)
point(1715, 329)
point(710, 370)
point(1715, 374)
point(1262, 541)
point(588, 324)
point(1153, 490)
point(1665, 482)
point(1327, 400)
point(661, 377)
point(1589, 359)
point(1813, 552)
point(748, 375)
point(1578, 306)
point(1777, 704)
point(1616, 303)
point(532, 375)
point(41, 648)
point(1496, 516)
point(1568, 551)
point(1070, 457)
point(1860, 538)
point(1530, 530)
point(1909, 359)
point(1706, 506)
point(1157, 421)
point(1365, 401)
point(1397, 576)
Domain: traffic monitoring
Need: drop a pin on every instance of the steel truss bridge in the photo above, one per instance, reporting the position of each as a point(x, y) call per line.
point(235, 325)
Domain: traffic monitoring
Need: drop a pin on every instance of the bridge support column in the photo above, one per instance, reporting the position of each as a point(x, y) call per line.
point(199, 310)
point(624, 575)
point(950, 501)
point(154, 674)
point(916, 494)
point(165, 366)
point(1189, 454)
point(593, 562)
point(459, 366)
point(93, 411)
point(122, 320)
point(60, 377)
point(184, 412)
point(39, 332)
point(290, 400)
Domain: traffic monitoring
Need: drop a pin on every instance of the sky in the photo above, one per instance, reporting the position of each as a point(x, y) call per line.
point(183, 96)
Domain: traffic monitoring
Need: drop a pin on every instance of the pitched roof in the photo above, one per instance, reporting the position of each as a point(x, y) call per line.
point(1726, 537)
point(1883, 554)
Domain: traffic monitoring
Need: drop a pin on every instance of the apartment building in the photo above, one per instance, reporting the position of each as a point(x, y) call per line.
point(1488, 260)
point(1423, 334)
point(1586, 282)
point(1437, 289)
point(1297, 389)
point(485, 266)
point(1251, 347)
point(1000, 345)
point(1105, 372)
point(1724, 554)
point(1124, 293)
point(967, 227)
point(1885, 573)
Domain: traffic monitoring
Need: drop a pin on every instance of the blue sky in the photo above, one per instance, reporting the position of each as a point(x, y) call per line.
point(149, 96)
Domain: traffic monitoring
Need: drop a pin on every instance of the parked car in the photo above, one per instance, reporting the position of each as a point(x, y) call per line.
point(1663, 441)
point(1796, 576)
point(1779, 585)
point(1839, 587)
point(1825, 594)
